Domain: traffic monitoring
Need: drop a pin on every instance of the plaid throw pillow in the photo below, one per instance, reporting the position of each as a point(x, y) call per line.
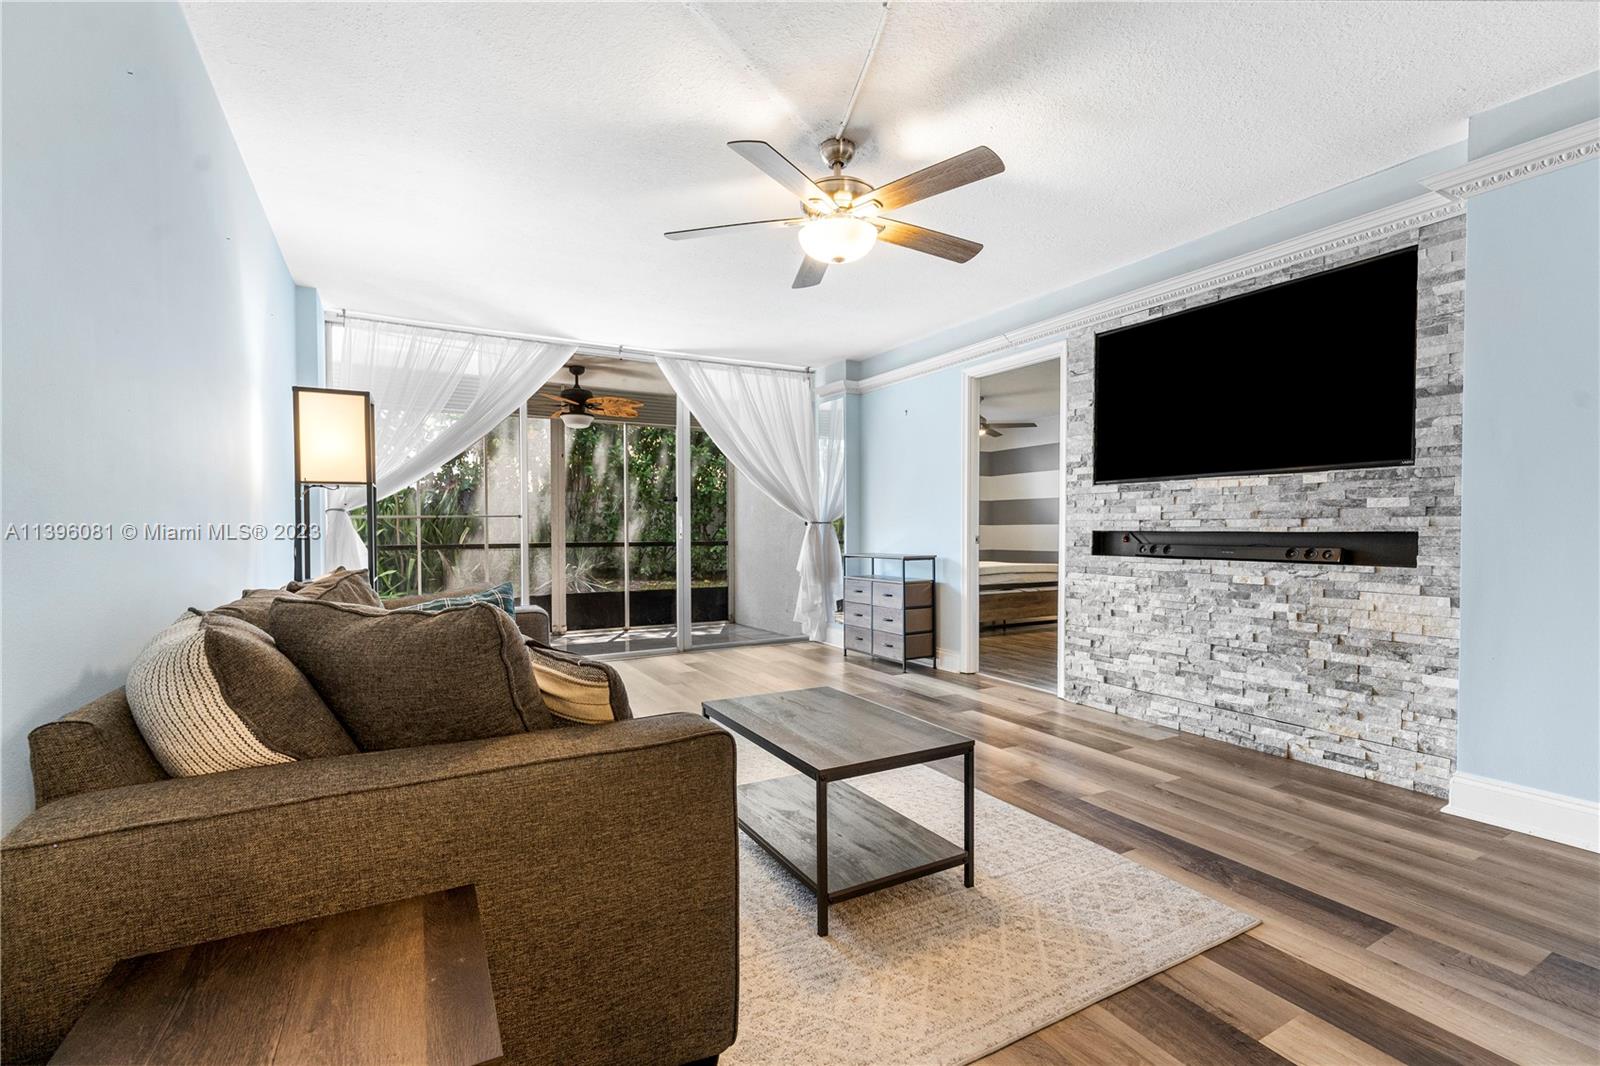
point(500, 595)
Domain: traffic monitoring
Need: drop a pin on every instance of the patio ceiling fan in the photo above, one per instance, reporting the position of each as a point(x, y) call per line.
point(842, 216)
point(987, 428)
point(578, 405)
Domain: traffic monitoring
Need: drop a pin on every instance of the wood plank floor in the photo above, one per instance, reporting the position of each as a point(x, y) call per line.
point(1024, 654)
point(1389, 932)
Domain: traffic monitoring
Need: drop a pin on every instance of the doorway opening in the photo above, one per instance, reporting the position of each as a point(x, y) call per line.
point(1014, 603)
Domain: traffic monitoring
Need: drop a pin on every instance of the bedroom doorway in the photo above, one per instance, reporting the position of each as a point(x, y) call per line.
point(1014, 497)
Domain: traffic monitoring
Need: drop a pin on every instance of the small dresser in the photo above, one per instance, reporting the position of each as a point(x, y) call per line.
point(889, 606)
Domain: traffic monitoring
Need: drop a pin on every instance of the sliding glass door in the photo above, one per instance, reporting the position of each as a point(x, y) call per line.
point(650, 520)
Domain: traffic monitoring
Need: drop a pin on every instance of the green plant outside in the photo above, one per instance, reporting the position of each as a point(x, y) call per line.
point(449, 508)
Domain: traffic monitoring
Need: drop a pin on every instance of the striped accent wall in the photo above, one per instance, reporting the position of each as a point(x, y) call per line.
point(1019, 494)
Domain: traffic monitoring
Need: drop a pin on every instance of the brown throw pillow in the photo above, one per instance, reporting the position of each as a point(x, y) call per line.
point(341, 586)
point(402, 679)
point(577, 689)
point(212, 693)
point(252, 606)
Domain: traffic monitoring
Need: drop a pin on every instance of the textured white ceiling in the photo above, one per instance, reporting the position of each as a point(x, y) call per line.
point(513, 166)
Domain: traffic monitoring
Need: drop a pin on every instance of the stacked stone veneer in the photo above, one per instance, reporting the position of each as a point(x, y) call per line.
point(1352, 668)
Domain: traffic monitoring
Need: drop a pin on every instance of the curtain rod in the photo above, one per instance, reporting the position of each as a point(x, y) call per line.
point(619, 351)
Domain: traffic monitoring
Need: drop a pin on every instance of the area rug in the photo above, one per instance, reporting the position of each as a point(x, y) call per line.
point(930, 973)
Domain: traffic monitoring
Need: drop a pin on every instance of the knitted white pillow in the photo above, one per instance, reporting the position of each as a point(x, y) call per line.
point(213, 693)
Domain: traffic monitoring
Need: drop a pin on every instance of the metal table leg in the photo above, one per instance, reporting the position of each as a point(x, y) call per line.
point(970, 773)
point(822, 858)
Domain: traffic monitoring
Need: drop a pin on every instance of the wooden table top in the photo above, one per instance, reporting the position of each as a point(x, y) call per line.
point(399, 982)
point(828, 735)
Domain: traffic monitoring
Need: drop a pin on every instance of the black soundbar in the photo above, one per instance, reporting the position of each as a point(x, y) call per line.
point(1320, 548)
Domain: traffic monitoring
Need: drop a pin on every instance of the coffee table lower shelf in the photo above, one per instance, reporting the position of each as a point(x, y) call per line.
point(869, 846)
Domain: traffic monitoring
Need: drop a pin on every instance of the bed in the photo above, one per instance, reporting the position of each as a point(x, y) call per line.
point(1011, 593)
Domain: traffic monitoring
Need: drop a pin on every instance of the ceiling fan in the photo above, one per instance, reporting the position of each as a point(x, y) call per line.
point(987, 428)
point(578, 405)
point(841, 216)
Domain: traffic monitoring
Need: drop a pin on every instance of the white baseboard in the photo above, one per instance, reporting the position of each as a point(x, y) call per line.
point(1527, 810)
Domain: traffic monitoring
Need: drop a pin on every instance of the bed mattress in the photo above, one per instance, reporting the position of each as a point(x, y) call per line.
point(993, 574)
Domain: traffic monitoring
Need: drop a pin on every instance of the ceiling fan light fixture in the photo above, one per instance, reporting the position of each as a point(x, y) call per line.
point(838, 238)
point(577, 420)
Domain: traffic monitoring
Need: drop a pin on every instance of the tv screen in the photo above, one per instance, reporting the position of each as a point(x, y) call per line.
point(1318, 373)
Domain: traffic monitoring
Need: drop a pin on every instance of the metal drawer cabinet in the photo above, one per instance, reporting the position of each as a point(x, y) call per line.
point(889, 606)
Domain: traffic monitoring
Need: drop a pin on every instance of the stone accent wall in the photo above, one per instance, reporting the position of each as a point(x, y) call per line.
point(1352, 668)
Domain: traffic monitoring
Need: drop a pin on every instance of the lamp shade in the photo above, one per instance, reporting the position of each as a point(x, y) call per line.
point(331, 438)
point(577, 420)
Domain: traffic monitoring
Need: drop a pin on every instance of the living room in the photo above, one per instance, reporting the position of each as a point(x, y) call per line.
point(500, 564)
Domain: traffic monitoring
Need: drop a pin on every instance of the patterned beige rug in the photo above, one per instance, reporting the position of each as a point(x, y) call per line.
point(930, 973)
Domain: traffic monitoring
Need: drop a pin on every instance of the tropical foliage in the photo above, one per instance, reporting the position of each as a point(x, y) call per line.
point(459, 525)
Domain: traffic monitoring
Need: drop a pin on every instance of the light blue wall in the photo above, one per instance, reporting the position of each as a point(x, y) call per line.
point(908, 491)
point(149, 348)
point(1530, 563)
point(310, 337)
point(1536, 115)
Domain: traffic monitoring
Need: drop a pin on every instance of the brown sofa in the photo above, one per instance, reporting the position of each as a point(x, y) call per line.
point(604, 858)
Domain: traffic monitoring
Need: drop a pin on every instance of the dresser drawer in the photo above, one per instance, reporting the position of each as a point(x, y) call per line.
point(856, 639)
point(888, 594)
point(857, 590)
point(858, 614)
point(900, 648)
point(910, 594)
point(894, 620)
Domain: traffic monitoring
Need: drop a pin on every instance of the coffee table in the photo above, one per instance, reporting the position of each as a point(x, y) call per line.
point(839, 841)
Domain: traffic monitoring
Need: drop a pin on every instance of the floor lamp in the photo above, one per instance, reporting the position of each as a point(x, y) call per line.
point(333, 447)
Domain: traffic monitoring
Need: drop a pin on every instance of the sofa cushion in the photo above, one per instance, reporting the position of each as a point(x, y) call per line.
point(96, 746)
point(212, 693)
point(500, 595)
point(401, 679)
point(577, 689)
point(251, 606)
point(340, 586)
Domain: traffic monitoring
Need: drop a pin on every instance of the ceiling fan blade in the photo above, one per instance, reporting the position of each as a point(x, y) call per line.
point(993, 433)
point(1013, 425)
point(958, 170)
point(776, 166)
point(614, 406)
point(712, 231)
point(810, 273)
point(931, 241)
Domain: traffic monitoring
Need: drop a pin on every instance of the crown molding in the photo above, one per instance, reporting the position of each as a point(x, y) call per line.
point(1385, 222)
point(1519, 162)
point(838, 388)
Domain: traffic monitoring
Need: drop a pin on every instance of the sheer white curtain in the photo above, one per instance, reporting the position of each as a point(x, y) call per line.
point(436, 391)
point(768, 425)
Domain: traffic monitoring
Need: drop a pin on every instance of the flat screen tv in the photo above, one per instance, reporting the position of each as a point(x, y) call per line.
point(1318, 373)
